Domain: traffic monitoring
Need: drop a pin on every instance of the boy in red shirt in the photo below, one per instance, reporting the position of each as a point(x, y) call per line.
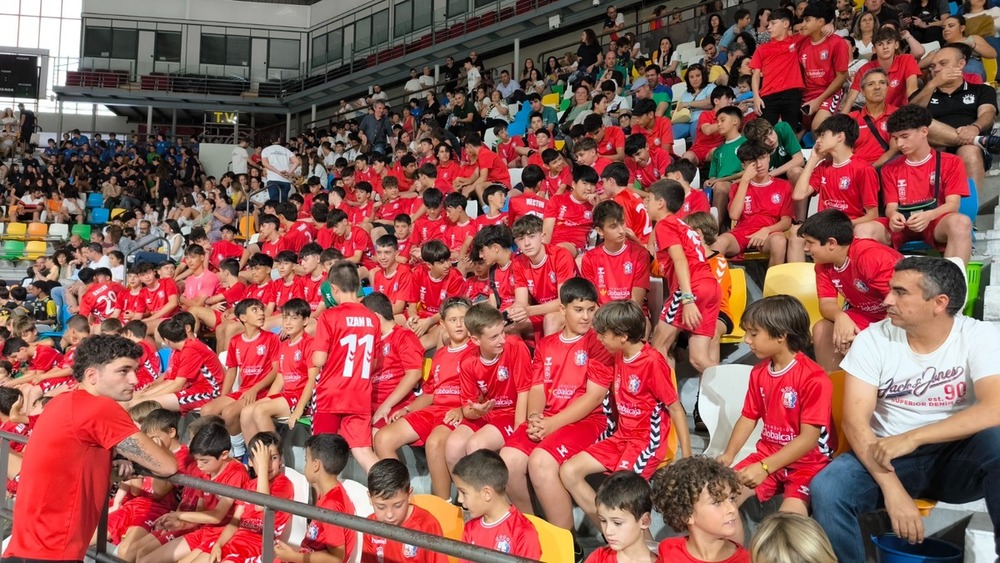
point(624, 507)
point(646, 164)
point(434, 281)
point(326, 457)
point(683, 172)
point(432, 224)
point(392, 278)
point(610, 140)
point(824, 59)
point(493, 245)
point(195, 376)
point(539, 272)
point(558, 176)
point(646, 402)
point(401, 370)
point(481, 480)
point(226, 248)
point(103, 298)
point(148, 370)
point(59, 376)
point(761, 207)
point(253, 356)
point(431, 417)
point(571, 374)
point(859, 270)
point(619, 267)
point(711, 519)
point(495, 379)
point(352, 241)
point(296, 233)
point(586, 155)
point(362, 212)
point(708, 137)
point(133, 300)
point(458, 235)
point(619, 188)
point(270, 241)
point(901, 69)
point(658, 131)
point(346, 346)
point(161, 295)
point(507, 147)
point(777, 62)
point(496, 201)
point(261, 288)
point(313, 276)
point(569, 217)
point(528, 202)
point(484, 168)
point(389, 491)
point(793, 396)
point(286, 286)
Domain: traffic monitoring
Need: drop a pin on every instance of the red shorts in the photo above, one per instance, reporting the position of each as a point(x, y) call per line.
point(243, 546)
point(203, 538)
point(832, 104)
point(381, 423)
point(617, 454)
point(292, 400)
point(138, 512)
point(906, 235)
point(355, 428)
point(702, 151)
point(425, 420)
point(860, 318)
point(165, 537)
point(237, 395)
point(794, 483)
point(563, 443)
point(707, 296)
point(503, 421)
point(56, 382)
point(192, 399)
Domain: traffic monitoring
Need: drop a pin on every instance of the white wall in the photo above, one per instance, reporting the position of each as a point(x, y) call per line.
point(215, 157)
point(105, 124)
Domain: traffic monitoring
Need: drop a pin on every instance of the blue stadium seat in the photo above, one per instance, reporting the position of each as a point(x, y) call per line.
point(99, 216)
point(968, 206)
point(95, 200)
point(164, 358)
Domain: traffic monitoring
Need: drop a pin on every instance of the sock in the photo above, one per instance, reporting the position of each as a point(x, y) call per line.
point(978, 141)
point(239, 446)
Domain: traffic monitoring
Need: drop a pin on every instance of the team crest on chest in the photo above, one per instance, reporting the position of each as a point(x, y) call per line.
point(789, 398)
point(824, 55)
point(385, 349)
point(775, 198)
point(845, 183)
point(502, 373)
point(628, 267)
point(581, 358)
point(969, 99)
point(409, 551)
point(633, 384)
point(503, 544)
point(861, 286)
point(552, 277)
point(298, 355)
point(261, 349)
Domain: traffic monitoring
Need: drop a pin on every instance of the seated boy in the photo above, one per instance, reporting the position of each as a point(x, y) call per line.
point(195, 376)
point(435, 280)
point(398, 380)
point(624, 506)
point(493, 246)
point(217, 307)
point(646, 164)
point(458, 235)
point(261, 288)
point(528, 202)
point(761, 207)
point(539, 272)
point(643, 392)
point(725, 166)
point(620, 266)
point(619, 187)
point(569, 216)
point(393, 278)
point(708, 137)
point(389, 491)
point(494, 523)
point(495, 198)
point(683, 172)
point(148, 370)
point(162, 297)
point(570, 379)
point(58, 377)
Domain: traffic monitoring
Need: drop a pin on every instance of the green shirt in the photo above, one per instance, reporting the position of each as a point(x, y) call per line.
point(327, 294)
point(724, 160)
point(788, 145)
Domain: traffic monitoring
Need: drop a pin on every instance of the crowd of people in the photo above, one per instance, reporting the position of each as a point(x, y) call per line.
point(518, 310)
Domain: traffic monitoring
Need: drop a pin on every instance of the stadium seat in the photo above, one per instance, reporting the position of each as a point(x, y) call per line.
point(16, 231)
point(557, 543)
point(565, 104)
point(358, 494)
point(490, 138)
point(837, 378)
point(448, 515)
point(95, 200)
point(99, 216)
point(36, 249)
point(559, 144)
point(295, 532)
point(82, 230)
point(37, 231)
point(797, 279)
point(164, 358)
point(720, 402)
point(13, 249)
point(737, 304)
point(558, 89)
point(118, 211)
point(968, 206)
point(515, 176)
point(551, 100)
point(58, 231)
point(246, 228)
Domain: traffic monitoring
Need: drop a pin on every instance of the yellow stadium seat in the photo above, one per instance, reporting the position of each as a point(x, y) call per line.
point(557, 543)
point(16, 231)
point(448, 515)
point(559, 144)
point(797, 279)
point(246, 228)
point(551, 100)
point(737, 304)
point(991, 70)
point(35, 249)
point(37, 231)
point(427, 368)
point(118, 211)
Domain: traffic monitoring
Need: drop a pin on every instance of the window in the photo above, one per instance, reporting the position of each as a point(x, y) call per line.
point(362, 34)
point(106, 42)
point(327, 48)
point(283, 53)
point(319, 57)
point(457, 8)
point(231, 50)
point(484, 3)
point(380, 27)
point(403, 22)
point(167, 46)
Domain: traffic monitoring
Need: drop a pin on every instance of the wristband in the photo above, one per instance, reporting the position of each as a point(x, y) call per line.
point(764, 467)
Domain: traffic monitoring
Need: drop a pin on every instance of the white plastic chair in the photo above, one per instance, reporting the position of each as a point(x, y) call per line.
point(680, 146)
point(490, 138)
point(515, 176)
point(295, 531)
point(358, 494)
point(59, 231)
point(678, 91)
point(720, 402)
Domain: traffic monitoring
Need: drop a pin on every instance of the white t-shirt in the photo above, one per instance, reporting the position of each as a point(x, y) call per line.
point(426, 81)
point(915, 390)
point(473, 79)
point(118, 273)
point(240, 158)
point(412, 85)
point(280, 158)
point(104, 262)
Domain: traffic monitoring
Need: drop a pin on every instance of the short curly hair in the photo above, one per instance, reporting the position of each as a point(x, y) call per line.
point(102, 349)
point(677, 487)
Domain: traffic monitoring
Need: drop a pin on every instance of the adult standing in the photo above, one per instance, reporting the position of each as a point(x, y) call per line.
point(375, 128)
point(240, 158)
point(280, 164)
point(72, 446)
point(614, 22)
point(921, 411)
point(27, 126)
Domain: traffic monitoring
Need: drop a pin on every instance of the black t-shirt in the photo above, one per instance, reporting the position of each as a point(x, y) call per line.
point(587, 55)
point(961, 107)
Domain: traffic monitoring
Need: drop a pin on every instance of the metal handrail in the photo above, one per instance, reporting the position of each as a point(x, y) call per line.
point(271, 505)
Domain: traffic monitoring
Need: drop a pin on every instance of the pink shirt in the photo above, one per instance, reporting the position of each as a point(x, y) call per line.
point(205, 285)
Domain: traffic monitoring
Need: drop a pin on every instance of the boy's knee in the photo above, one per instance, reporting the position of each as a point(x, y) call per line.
point(542, 466)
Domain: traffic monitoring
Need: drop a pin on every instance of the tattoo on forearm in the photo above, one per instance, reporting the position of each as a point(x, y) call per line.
point(130, 448)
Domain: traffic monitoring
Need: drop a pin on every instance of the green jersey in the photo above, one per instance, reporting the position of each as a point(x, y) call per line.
point(788, 145)
point(724, 160)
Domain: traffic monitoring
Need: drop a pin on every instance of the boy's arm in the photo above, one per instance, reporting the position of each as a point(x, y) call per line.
point(211, 517)
point(548, 225)
point(170, 306)
point(227, 534)
point(409, 380)
point(679, 419)
point(332, 554)
point(305, 398)
point(168, 387)
point(264, 383)
point(576, 410)
point(741, 433)
point(228, 381)
point(536, 401)
point(758, 103)
point(797, 160)
point(802, 188)
point(521, 408)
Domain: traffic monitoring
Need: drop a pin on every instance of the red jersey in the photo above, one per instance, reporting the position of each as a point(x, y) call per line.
point(554, 184)
point(574, 219)
point(309, 289)
point(148, 369)
point(543, 280)
point(381, 550)
point(401, 205)
point(223, 250)
point(425, 229)
point(485, 221)
point(765, 204)
point(130, 301)
point(563, 367)
point(69, 461)
point(398, 286)
point(253, 517)
point(158, 295)
point(500, 379)
point(868, 148)
point(613, 139)
point(401, 352)
point(524, 204)
point(200, 367)
point(273, 248)
point(233, 474)
point(821, 62)
point(661, 136)
point(262, 292)
point(651, 170)
point(431, 293)
point(616, 275)
point(903, 67)
point(358, 239)
point(15, 428)
point(505, 281)
point(456, 235)
point(778, 61)
point(101, 299)
point(349, 333)
point(851, 186)
point(694, 202)
point(324, 237)
point(294, 361)
point(675, 549)
point(512, 534)
point(496, 166)
point(670, 232)
point(801, 393)
point(294, 239)
point(444, 380)
point(320, 535)
point(636, 214)
point(284, 291)
point(45, 358)
point(446, 174)
point(254, 357)
point(508, 151)
point(643, 389)
point(358, 214)
point(477, 289)
point(905, 182)
point(863, 280)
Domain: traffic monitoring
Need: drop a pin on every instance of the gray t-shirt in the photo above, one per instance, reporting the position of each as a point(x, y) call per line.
point(377, 130)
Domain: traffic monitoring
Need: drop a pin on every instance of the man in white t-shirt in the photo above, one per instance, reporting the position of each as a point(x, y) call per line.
point(95, 256)
point(413, 85)
point(473, 78)
point(280, 164)
point(240, 158)
point(427, 78)
point(921, 411)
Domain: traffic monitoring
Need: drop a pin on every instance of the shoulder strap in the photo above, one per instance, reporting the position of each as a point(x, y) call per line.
point(493, 284)
point(875, 132)
point(937, 175)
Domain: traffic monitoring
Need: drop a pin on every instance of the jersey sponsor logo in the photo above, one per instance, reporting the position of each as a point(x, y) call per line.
point(789, 398)
point(580, 358)
point(503, 544)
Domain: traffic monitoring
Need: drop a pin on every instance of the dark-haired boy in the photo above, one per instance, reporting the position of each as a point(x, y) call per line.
point(624, 507)
point(528, 202)
point(434, 281)
point(392, 278)
point(401, 370)
point(708, 137)
point(432, 224)
point(195, 376)
point(161, 295)
point(569, 217)
point(270, 241)
point(683, 172)
point(225, 248)
point(148, 370)
point(620, 266)
point(200, 283)
point(725, 166)
point(571, 374)
point(646, 164)
point(610, 140)
point(458, 235)
point(507, 146)
point(102, 299)
point(493, 246)
point(859, 270)
point(59, 376)
point(312, 274)
point(352, 241)
point(539, 272)
point(657, 130)
point(585, 151)
point(618, 187)
point(218, 306)
point(389, 491)
point(495, 198)
point(484, 168)
point(558, 176)
point(481, 480)
point(777, 62)
point(824, 59)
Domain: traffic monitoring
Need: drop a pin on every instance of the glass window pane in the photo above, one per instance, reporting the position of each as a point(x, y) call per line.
point(283, 53)
point(10, 7)
point(362, 34)
point(237, 51)
point(318, 57)
point(27, 33)
point(403, 21)
point(422, 16)
point(69, 42)
point(167, 46)
point(380, 27)
point(125, 44)
point(31, 7)
point(335, 45)
point(483, 3)
point(97, 42)
point(72, 8)
point(52, 8)
point(50, 39)
point(457, 7)
point(213, 49)
point(8, 26)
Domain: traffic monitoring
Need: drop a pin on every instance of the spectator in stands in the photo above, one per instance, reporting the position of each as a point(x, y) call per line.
point(589, 56)
point(915, 440)
point(507, 86)
point(614, 21)
point(280, 164)
point(777, 64)
point(874, 143)
point(427, 79)
point(954, 31)
point(694, 100)
point(374, 130)
point(902, 70)
point(742, 23)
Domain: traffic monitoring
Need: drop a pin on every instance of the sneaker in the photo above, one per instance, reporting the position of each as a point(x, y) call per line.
point(991, 144)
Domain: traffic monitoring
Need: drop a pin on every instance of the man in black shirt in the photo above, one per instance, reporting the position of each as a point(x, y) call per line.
point(451, 72)
point(882, 12)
